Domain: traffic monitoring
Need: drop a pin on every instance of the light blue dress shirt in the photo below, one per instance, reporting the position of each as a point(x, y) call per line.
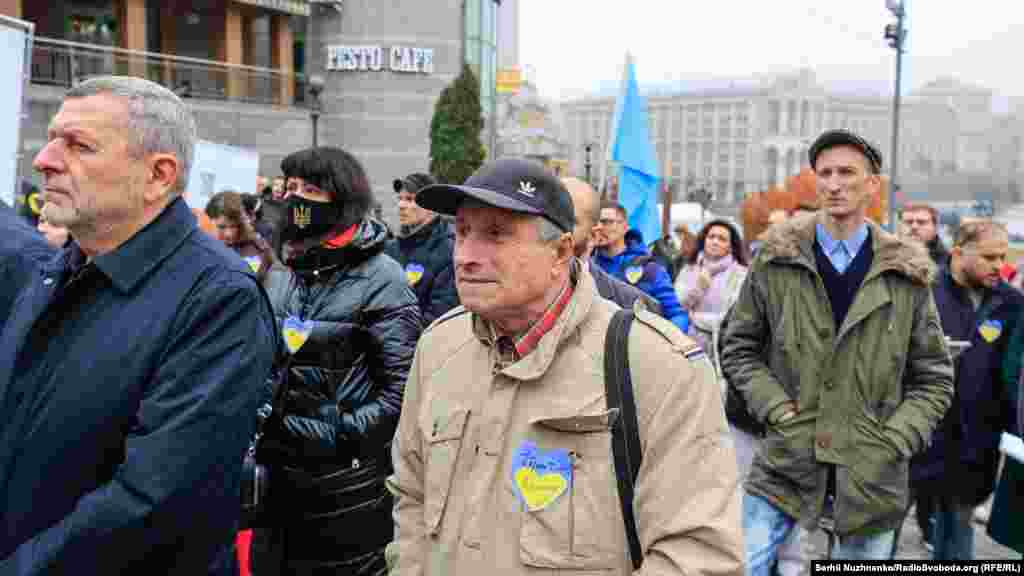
point(841, 252)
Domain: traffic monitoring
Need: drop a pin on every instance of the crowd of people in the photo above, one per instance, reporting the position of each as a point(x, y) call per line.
point(510, 381)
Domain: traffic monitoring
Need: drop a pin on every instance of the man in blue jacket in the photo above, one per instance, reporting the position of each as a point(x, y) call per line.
point(958, 471)
point(133, 362)
point(21, 249)
point(621, 252)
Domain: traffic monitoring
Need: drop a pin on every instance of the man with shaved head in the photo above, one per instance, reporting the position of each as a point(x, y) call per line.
point(587, 206)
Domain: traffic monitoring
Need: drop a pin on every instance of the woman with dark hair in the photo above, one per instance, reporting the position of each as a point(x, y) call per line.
point(350, 323)
point(708, 284)
point(234, 228)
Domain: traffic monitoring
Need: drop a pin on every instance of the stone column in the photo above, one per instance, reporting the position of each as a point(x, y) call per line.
point(232, 50)
point(780, 167)
point(133, 36)
point(169, 15)
point(783, 116)
point(282, 58)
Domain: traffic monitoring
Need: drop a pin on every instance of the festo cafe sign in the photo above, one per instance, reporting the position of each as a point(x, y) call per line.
point(372, 58)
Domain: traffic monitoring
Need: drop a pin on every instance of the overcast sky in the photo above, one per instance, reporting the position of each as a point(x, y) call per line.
point(576, 46)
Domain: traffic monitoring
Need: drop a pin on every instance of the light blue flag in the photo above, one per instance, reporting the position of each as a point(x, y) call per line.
point(632, 151)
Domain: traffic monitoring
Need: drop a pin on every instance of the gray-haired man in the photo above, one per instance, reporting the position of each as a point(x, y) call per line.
point(130, 367)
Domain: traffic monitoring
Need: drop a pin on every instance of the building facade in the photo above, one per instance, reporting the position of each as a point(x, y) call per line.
point(740, 136)
point(244, 65)
point(239, 63)
point(530, 126)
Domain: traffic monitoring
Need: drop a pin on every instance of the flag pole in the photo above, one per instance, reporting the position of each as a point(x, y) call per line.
point(613, 126)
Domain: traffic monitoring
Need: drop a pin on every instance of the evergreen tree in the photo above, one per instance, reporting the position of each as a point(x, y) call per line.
point(455, 147)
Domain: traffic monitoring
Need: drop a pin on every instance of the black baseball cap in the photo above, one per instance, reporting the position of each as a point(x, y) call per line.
point(413, 183)
point(515, 184)
point(833, 138)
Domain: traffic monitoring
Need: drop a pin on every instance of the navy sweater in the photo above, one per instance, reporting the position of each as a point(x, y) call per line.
point(842, 288)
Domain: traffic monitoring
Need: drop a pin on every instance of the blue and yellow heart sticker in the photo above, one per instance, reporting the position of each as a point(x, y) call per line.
point(296, 332)
point(540, 477)
point(990, 330)
point(413, 273)
point(254, 263)
point(634, 274)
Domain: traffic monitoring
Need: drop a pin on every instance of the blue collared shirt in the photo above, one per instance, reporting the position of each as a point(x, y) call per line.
point(841, 252)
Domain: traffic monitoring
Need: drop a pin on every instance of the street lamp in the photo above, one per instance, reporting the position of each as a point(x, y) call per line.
point(588, 146)
point(895, 34)
point(316, 86)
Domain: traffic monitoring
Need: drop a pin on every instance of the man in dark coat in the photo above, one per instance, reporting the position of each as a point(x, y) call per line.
point(21, 249)
point(423, 246)
point(958, 470)
point(131, 365)
point(921, 222)
point(587, 207)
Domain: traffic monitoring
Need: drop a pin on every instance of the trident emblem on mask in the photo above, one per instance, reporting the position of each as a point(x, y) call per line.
point(302, 216)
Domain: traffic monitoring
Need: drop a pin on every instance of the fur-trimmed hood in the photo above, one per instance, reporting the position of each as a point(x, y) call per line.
point(793, 240)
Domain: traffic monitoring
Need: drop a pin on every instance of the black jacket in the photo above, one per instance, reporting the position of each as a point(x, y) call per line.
point(426, 257)
point(963, 455)
point(128, 393)
point(331, 451)
point(611, 288)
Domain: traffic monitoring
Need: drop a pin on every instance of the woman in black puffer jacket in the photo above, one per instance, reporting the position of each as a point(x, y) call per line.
point(352, 322)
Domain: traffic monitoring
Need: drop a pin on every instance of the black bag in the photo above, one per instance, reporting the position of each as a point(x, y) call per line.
point(256, 508)
point(625, 430)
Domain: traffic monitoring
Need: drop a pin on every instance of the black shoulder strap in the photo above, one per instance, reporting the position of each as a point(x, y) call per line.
point(625, 433)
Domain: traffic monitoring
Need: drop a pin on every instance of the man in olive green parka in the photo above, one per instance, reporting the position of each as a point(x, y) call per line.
point(836, 345)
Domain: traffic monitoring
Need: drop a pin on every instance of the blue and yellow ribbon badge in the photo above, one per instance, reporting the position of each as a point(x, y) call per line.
point(990, 330)
point(413, 273)
point(296, 332)
point(634, 274)
point(540, 477)
point(254, 263)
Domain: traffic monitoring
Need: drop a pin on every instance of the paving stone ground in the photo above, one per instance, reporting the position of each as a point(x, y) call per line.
point(911, 545)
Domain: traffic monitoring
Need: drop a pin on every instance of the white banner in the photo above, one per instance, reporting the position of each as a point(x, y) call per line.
point(15, 50)
point(219, 167)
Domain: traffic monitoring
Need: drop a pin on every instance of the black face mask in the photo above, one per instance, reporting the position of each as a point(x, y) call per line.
point(307, 219)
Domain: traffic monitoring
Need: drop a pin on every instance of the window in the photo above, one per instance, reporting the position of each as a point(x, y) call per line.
point(725, 126)
point(691, 156)
point(472, 18)
point(481, 49)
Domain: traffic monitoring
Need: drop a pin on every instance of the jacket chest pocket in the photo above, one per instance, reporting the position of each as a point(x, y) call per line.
point(444, 440)
point(579, 526)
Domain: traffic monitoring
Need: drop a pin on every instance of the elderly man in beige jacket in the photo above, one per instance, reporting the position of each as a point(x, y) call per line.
point(503, 456)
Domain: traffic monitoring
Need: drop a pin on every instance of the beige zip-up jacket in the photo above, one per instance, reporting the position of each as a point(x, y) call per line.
point(459, 509)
